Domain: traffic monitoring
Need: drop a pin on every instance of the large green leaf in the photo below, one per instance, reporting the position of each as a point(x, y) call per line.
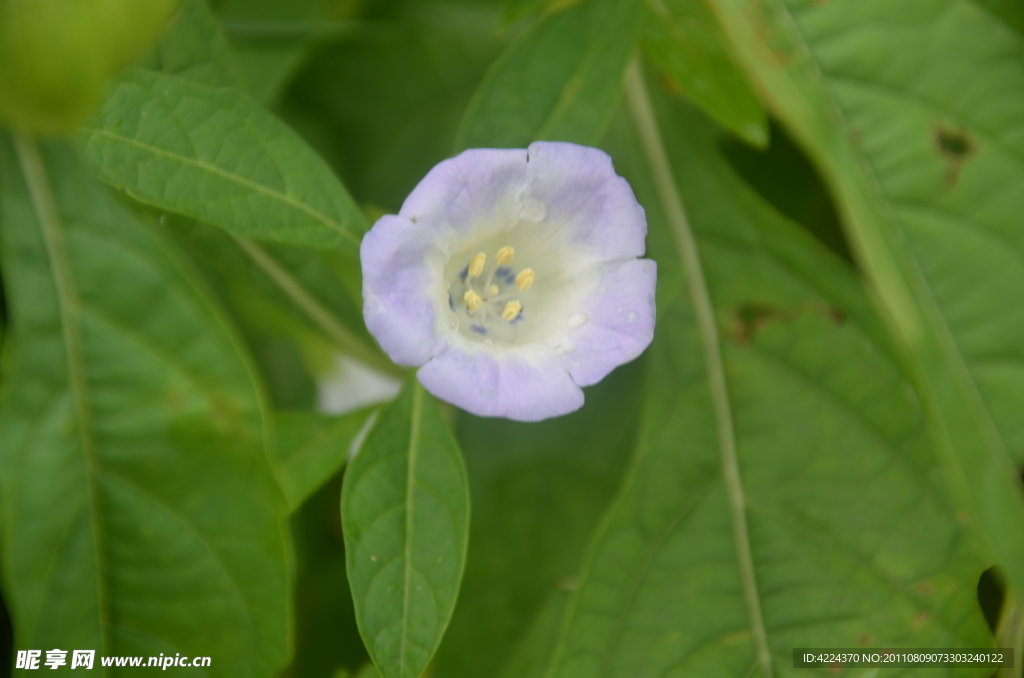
point(560, 80)
point(685, 39)
point(539, 490)
point(311, 447)
point(216, 156)
point(783, 493)
point(915, 114)
point(405, 515)
point(136, 495)
point(273, 286)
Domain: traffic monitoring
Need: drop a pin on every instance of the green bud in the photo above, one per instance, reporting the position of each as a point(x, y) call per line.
point(56, 55)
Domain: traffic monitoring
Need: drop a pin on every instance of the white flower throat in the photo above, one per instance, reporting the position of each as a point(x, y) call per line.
point(488, 296)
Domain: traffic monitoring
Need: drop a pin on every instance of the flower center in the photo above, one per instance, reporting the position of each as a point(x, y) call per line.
point(487, 296)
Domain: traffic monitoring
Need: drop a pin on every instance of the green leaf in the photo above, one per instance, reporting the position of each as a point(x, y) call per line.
point(783, 492)
point(216, 156)
point(137, 498)
point(311, 447)
point(925, 170)
point(559, 81)
point(539, 490)
point(684, 38)
point(195, 49)
point(405, 516)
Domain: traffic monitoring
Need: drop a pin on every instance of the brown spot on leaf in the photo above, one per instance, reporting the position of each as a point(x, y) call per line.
point(956, 146)
point(670, 85)
point(751, 319)
point(925, 588)
point(863, 639)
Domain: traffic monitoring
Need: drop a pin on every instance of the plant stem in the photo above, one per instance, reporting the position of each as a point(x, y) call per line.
point(640, 107)
point(348, 342)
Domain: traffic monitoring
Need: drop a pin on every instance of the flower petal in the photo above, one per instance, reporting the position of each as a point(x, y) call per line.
point(525, 385)
point(401, 285)
point(617, 323)
point(475, 192)
point(581, 194)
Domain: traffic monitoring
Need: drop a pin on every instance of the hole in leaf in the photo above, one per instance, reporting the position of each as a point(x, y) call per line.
point(991, 592)
point(784, 177)
point(955, 143)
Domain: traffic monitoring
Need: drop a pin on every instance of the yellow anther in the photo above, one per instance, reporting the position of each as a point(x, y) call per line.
point(493, 290)
point(476, 267)
point(524, 280)
point(504, 255)
point(473, 300)
point(512, 310)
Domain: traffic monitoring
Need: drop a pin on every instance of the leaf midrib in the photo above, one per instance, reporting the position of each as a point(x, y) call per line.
point(34, 169)
point(410, 488)
point(241, 181)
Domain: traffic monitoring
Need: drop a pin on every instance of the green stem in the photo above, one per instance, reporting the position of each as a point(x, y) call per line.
point(640, 107)
point(410, 498)
point(348, 342)
point(52, 233)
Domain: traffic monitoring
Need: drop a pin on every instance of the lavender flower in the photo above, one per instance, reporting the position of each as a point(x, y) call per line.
point(513, 278)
